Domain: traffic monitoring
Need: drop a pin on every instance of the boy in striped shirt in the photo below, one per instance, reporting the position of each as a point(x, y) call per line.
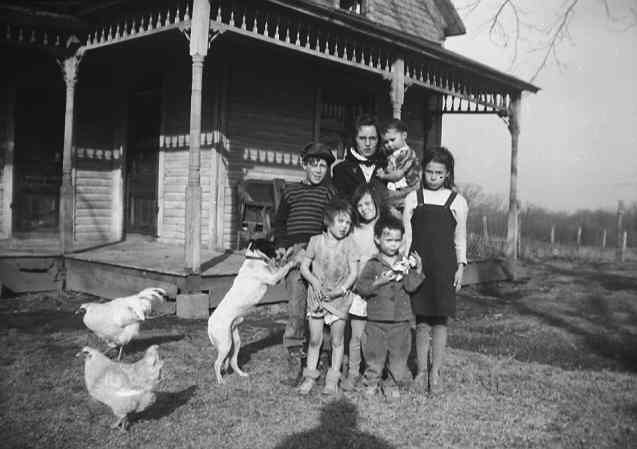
point(299, 217)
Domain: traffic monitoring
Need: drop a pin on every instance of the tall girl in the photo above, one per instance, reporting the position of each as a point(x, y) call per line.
point(366, 211)
point(435, 220)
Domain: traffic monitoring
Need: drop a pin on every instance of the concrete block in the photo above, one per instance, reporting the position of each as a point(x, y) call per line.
point(193, 306)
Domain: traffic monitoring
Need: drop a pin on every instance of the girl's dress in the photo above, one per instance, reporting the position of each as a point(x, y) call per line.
point(330, 264)
point(363, 236)
point(435, 238)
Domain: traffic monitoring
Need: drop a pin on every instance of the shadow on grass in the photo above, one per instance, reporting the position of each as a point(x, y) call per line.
point(167, 402)
point(609, 281)
point(141, 344)
point(338, 429)
point(275, 337)
point(617, 346)
point(43, 321)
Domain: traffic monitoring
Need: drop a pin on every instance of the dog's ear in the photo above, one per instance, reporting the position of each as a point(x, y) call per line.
point(265, 246)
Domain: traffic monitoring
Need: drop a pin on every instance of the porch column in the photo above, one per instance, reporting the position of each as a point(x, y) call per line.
point(514, 203)
point(70, 67)
point(7, 147)
point(198, 51)
point(397, 92)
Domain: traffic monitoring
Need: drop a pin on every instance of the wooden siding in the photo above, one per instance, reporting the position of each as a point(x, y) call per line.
point(93, 201)
point(270, 119)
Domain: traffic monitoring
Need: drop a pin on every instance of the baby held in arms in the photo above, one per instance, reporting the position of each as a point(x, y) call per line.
point(402, 172)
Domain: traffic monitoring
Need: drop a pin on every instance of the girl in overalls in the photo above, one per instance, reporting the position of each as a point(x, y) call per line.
point(435, 220)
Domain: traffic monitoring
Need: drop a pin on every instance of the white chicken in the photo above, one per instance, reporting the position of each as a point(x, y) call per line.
point(124, 387)
point(117, 322)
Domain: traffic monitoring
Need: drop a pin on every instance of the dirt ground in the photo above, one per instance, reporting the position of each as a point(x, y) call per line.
point(548, 361)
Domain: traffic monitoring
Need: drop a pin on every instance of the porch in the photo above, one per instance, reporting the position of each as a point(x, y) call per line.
point(138, 262)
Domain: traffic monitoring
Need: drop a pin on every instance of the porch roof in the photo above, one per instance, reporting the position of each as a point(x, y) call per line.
point(300, 25)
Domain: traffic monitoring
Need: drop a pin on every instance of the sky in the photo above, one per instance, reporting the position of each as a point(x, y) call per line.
point(578, 139)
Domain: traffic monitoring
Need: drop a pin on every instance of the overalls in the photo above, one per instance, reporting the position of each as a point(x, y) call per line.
point(433, 228)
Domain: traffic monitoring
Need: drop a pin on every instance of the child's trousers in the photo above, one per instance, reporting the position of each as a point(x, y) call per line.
point(294, 335)
point(383, 338)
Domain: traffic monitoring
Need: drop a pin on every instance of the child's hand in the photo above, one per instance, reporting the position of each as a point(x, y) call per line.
point(335, 293)
point(385, 277)
point(417, 260)
point(457, 279)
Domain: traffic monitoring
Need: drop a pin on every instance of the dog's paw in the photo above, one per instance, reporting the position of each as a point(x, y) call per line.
point(242, 373)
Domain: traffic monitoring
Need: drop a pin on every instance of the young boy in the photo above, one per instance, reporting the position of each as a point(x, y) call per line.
point(385, 283)
point(299, 217)
point(402, 173)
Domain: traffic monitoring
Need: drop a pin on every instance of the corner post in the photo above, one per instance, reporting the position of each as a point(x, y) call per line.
point(398, 88)
point(514, 204)
point(198, 51)
point(70, 68)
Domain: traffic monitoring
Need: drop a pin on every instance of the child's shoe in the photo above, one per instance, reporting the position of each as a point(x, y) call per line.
point(392, 392)
point(420, 382)
point(331, 382)
point(435, 384)
point(371, 390)
point(309, 379)
point(349, 383)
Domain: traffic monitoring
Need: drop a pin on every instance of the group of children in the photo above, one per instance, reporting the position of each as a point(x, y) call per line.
point(378, 262)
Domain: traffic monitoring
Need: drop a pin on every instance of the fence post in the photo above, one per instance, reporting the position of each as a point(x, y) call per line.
point(604, 238)
point(485, 229)
point(519, 242)
point(620, 216)
point(579, 239)
point(624, 245)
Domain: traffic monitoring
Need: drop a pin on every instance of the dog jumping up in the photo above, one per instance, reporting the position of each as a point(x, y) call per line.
point(259, 270)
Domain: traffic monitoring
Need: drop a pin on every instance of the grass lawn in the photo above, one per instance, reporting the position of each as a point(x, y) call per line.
point(549, 362)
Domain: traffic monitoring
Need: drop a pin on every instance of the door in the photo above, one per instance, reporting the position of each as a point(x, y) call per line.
point(144, 121)
point(39, 138)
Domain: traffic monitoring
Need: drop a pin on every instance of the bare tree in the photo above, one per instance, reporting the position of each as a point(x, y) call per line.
point(543, 27)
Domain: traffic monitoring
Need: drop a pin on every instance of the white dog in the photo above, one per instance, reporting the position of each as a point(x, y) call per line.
point(255, 275)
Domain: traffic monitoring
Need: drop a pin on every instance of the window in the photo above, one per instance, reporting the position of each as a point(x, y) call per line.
point(353, 6)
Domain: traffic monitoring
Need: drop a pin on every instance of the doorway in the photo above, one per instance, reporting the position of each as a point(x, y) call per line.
point(144, 123)
point(39, 138)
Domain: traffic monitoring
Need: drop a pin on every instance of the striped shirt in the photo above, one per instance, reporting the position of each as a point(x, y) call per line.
point(300, 213)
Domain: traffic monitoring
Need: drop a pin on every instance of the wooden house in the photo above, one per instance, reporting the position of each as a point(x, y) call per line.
point(147, 117)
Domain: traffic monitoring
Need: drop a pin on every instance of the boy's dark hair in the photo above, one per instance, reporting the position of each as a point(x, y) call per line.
point(443, 156)
point(387, 221)
point(336, 206)
point(366, 120)
point(396, 124)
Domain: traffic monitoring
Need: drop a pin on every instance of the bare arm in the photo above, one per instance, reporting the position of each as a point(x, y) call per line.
point(410, 205)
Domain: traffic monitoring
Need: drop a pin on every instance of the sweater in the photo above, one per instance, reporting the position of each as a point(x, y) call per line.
point(391, 301)
point(300, 213)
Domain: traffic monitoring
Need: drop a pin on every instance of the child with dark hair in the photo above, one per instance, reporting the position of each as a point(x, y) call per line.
point(386, 282)
point(330, 267)
point(402, 172)
point(300, 216)
point(367, 207)
point(439, 214)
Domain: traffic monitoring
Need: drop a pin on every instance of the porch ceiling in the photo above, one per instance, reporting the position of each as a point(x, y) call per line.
point(299, 25)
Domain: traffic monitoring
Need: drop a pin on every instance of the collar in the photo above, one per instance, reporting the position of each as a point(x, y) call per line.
point(265, 259)
point(359, 158)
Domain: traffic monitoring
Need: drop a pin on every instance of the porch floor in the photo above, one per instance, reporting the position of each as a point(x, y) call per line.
point(137, 251)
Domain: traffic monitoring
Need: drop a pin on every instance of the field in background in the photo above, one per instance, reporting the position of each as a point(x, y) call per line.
point(547, 361)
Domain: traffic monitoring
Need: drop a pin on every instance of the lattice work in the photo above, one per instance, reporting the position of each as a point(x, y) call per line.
point(26, 35)
point(463, 92)
point(280, 27)
point(143, 25)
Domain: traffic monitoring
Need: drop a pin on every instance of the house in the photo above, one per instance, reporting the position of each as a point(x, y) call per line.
point(144, 117)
